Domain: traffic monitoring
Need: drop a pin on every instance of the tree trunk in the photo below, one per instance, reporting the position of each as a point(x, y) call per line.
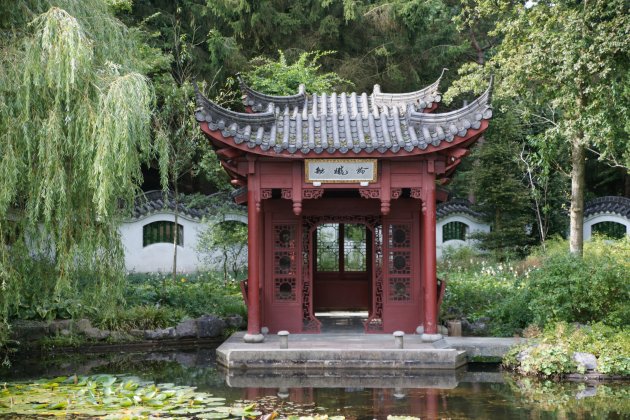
point(578, 164)
point(176, 234)
point(477, 47)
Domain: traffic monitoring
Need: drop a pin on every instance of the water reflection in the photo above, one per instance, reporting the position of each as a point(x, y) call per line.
point(462, 394)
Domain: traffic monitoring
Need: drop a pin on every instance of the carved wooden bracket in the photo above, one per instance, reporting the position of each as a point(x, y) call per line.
point(396, 192)
point(265, 193)
point(312, 193)
point(416, 193)
point(287, 193)
point(370, 193)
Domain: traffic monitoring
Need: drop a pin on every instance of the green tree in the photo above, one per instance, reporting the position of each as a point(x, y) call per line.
point(225, 245)
point(501, 195)
point(75, 118)
point(184, 151)
point(564, 66)
point(281, 78)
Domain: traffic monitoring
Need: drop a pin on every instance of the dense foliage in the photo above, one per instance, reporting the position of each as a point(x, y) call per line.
point(547, 287)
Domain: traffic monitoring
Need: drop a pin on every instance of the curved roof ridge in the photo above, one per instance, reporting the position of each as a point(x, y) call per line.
point(423, 98)
point(611, 204)
point(155, 201)
point(455, 206)
point(480, 103)
point(259, 101)
point(211, 112)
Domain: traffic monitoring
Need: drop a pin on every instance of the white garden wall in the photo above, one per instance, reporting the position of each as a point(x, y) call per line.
point(473, 226)
point(159, 257)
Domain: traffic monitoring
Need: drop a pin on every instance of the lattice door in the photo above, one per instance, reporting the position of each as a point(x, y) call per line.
point(400, 276)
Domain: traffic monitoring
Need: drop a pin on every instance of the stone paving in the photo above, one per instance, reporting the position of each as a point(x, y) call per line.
point(358, 350)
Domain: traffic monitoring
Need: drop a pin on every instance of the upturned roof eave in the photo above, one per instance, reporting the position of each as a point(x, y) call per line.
point(298, 155)
point(354, 132)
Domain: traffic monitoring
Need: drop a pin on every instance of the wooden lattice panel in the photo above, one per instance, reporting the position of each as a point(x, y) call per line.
point(399, 289)
point(284, 289)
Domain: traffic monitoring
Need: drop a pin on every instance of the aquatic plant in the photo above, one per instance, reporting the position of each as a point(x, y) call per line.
point(129, 397)
point(114, 396)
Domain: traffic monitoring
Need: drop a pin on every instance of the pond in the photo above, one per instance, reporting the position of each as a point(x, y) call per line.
point(478, 391)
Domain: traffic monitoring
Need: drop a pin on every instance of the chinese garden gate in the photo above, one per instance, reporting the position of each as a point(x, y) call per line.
point(341, 195)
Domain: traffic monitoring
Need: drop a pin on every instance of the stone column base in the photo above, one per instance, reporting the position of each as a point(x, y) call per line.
point(430, 338)
point(253, 338)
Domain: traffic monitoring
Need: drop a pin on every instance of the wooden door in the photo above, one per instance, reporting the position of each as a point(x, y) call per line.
point(342, 269)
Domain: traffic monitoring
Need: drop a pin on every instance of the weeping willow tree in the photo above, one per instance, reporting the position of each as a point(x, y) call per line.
point(75, 114)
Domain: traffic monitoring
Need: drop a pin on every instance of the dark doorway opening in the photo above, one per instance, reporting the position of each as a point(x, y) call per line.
point(342, 275)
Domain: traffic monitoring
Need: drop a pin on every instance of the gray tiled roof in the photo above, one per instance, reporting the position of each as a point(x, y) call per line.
point(336, 123)
point(456, 206)
point(608, 205)
point(154, 202)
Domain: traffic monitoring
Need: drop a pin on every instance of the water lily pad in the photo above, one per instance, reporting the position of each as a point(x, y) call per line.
point(213, 416)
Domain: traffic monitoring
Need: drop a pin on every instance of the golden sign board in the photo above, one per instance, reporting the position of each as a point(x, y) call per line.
point(340, 170)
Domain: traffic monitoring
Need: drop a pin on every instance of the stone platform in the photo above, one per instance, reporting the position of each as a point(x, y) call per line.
point(356, 351)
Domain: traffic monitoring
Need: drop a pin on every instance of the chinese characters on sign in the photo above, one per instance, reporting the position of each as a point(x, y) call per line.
point(340, 170)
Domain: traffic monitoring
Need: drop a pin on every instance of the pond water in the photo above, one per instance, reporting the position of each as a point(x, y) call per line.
point(478, 391)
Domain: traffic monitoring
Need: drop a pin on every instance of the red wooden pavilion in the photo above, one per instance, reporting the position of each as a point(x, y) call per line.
point(341, 193)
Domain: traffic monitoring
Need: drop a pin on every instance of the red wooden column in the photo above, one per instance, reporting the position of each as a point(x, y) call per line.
point(429, 255)
point(254, 227)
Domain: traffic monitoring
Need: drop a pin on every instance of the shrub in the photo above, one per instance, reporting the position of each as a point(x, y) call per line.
point(196, 294)
point(589, 289)
point(547, 360)
point(481, 288)
point(145, 317)
point(550, 285)
point(551, 352)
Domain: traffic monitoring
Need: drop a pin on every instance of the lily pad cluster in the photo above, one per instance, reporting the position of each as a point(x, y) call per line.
point(113, 396)
point(129, 397)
